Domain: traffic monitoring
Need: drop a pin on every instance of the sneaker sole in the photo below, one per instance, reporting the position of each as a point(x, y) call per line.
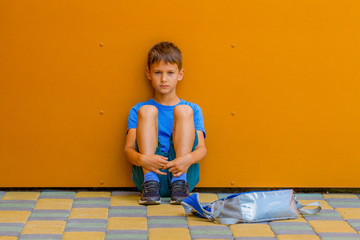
point(175, 202)
point(149, 202)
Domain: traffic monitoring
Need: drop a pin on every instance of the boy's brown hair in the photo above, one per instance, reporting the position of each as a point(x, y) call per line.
point(165, 51)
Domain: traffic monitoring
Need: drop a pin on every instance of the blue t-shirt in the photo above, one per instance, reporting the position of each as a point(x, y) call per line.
point(165, 120)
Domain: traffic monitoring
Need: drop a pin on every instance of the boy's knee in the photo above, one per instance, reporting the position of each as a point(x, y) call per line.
point(183, 111)
point(147, 111)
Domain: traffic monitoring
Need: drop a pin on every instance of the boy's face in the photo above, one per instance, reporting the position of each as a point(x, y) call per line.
point(164, 76)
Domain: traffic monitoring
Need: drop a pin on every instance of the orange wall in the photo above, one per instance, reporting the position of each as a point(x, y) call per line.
point(278, 83)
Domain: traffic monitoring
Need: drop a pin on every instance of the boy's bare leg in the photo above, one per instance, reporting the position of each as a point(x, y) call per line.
point(147, 140)
point(183, 138)
point(147, 131)
point(183, 130)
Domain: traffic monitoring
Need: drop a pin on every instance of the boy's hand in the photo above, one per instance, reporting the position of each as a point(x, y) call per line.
point(179, 165)
point(153, 163)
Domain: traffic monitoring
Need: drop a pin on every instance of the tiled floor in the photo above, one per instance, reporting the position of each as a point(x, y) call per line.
point(69, 215)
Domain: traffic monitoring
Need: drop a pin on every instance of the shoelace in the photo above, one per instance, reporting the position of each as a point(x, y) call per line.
point(151, 187)
point(179, 188)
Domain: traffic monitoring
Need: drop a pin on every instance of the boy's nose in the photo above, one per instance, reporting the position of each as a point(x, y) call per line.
point(163, 78)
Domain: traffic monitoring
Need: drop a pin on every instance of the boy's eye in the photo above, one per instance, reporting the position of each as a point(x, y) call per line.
point(157, 72)
point(170, 72)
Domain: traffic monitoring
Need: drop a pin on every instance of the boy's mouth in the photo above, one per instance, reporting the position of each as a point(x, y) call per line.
point(164, 86)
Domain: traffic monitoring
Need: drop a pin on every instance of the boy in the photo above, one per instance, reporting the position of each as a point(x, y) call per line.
point(165, 138)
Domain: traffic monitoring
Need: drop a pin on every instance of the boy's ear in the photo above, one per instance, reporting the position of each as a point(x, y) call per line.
point(148, 75)
point(181, 74)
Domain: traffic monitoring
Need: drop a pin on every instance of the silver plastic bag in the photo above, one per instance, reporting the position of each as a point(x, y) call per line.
point(250, 207)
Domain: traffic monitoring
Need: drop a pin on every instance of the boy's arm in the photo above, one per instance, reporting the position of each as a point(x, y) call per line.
point(150, 162)
point(181, 164)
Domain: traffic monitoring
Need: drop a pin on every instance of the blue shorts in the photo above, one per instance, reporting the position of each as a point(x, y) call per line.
point(165, 180)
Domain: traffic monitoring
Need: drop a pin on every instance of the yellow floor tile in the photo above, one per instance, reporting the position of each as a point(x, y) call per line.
point(208, 197)
point(93, 194)
point(298, 237)
point(97, 213)
point(165, 210)
point(169, 233)
point(14, 216)
point(340, 196)
point(44, 227)
point(251, 230)
point(83, 235)
point(349, 213)
point(126, 200)
point(323, 203)
point(196, 221)
point(21, 196)
point(127, 223)
point(8, 238)
point(54, 204)
point(331, 226)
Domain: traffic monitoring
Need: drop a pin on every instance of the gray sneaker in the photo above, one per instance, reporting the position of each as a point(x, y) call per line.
point(150, 194)
point(179, 191)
